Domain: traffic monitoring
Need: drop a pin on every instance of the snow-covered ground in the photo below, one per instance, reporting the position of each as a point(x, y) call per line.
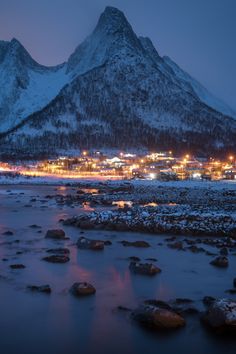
point(150, 184)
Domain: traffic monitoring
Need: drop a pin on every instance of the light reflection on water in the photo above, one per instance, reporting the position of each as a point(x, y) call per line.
point(152, 204)
point(90, 190)
point(122, 203)
point(87, 206)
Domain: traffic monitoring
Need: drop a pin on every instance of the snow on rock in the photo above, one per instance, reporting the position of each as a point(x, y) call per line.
point(222, 315)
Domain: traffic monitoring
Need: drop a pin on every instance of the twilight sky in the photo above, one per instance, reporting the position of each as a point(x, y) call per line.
point(199, 35)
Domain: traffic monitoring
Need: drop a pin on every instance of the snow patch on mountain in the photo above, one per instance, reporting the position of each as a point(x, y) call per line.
point(25, 86)
point(203, 94)
point(41, 89)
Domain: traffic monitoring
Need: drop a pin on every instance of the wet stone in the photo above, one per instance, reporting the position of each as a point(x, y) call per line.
point(82, 289)
point(57, 259)
point(59, 251)
point(17, 266)
point(221, 316)
point(8, 233)
point(34, 226)
point(176, 245)
point(57, 234)
point(231, 291)
point(208, 300)
point(224, 251)
point(157, 318)
point(151, 259)
point(134, 259)
point(144, 268)
point(85, 243)
point(138, 244)
point(221, 262)
point(123, 308)
point(41, 289)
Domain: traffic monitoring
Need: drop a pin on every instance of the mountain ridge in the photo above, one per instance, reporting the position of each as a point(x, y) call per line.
point(116, 84)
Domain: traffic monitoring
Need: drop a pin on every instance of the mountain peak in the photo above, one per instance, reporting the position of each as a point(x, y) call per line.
point(17, 55)
point(15, 48)
point(112, 21)
point(14, 42)
point(111, 10)
point(112, 13)
point(112, 36)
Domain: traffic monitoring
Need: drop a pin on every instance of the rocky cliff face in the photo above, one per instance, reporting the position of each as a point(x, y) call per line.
point(115, 91)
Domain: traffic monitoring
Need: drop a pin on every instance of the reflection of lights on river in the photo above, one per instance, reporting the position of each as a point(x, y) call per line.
point(122, 203)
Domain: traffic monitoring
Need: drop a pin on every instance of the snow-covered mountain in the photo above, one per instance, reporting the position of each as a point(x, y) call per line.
point(25, 86)
point(114, 91)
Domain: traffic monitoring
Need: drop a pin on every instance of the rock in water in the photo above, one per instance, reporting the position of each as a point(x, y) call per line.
point(8, 233)
point(56, 259)
point(85, 243)
point(208, 300)
point(144, 268)
point(59, 251)
point(17, 266)
point(158, 318)
point(134, 259)
point(135, 244)
point(224, 251)
point(57, 234)
point(34, 226)
point(221, 316)
point(82, 289)
point(220, 261)
point(41, 289)
point(178, 245)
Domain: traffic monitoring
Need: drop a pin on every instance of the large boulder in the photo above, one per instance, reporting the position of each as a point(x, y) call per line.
point(221, 262)
point(85, 243)
point(144, 268)
point(82, 289)
point(221, 316)
point(57, 234)
point(157, 318)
